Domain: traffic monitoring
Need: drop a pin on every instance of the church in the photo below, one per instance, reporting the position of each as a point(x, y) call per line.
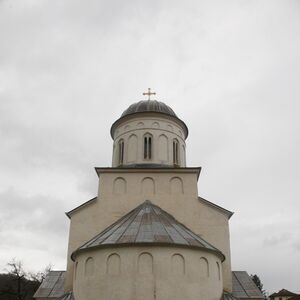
point(147, 235)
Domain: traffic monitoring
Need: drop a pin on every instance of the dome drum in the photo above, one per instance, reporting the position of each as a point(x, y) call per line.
point(149, 108)
point(154, 137)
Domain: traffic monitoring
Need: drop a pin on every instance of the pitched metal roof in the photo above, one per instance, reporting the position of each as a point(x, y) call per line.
point(243, 287)
point(148, 224)
point(149, 106)
point(66, 296)
point(227, 296)
point(52, 286)
point(283, 292)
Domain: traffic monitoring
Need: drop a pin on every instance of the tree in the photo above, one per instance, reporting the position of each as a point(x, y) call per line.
point(16, 284)
point(259, 284)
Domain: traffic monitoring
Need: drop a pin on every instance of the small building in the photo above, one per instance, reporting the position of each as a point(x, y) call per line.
point(283, 295)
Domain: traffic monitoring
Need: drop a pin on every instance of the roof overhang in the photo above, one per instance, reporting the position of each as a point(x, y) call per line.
point(223, 210)
point(131, 245)
point(69, 213)
point(191, 170)
point(149, 114)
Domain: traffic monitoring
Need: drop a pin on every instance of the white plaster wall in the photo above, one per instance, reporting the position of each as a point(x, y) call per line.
point(172, 190)
point(132, 131)
point(147, 273)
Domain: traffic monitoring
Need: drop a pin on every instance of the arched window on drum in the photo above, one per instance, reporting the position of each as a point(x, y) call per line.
point(121, 151)
point(148, 146)
point(175, 152)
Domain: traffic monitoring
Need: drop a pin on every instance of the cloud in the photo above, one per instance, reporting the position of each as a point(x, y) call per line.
point(229, 69)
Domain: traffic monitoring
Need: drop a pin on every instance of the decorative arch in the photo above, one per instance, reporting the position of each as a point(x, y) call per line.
point(204, 267)
point(140, 124)
point(127, 127)
point(155, 125)
point(176, 185)
point(119, 186)
point(132, 148)
point(178, 264)
point(169, 127)
point(163, 147)
point(89, 267)
point(148, 186)
point(145, 263)
point(113, 264)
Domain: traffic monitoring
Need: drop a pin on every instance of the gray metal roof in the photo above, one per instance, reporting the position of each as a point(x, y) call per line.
point(244, 287)
point(67, 296)
point(227, 296)
point(149, 105)
point(147, 224)
point(52, 286)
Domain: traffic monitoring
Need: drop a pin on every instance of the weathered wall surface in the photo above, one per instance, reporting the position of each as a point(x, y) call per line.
point(163, 132)
point(172, 190)
point(148, 273)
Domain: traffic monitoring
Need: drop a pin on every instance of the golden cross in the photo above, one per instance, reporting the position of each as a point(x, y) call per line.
point(149, 93)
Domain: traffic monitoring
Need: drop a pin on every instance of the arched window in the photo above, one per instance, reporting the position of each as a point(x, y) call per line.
point(121, 152)
point(175, 152)
point(147, 146)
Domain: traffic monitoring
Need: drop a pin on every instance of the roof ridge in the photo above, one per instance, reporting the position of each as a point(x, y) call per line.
point(137, 233)
point(187, 229)
point(170, 224)
point(133, 212)
point(159, 218)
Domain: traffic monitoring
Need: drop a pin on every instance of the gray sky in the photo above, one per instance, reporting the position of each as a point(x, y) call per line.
point(229, 69)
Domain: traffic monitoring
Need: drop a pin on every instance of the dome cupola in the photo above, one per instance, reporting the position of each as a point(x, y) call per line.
point(149, 134)
point(149, 106)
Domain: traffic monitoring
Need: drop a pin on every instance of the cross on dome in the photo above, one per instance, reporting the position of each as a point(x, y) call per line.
point(149, 93)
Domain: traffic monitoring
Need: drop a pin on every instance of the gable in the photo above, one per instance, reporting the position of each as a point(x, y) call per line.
point(216, 207)
point(80, 207)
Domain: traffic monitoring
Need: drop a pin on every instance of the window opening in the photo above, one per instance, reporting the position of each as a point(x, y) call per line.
point(147, 147)
point(121, 152)
point(175, 152)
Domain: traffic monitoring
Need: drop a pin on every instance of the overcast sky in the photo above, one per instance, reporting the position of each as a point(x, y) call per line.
point(229, 69)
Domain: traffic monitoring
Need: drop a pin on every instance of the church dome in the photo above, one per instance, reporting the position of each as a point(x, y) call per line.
point(149, 106)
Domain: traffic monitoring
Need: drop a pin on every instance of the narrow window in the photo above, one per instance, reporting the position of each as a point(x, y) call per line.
point(121, 152)
point(175, 152)
point(147, 147)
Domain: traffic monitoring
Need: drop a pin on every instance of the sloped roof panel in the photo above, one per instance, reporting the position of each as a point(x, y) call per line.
point(244, 286)
point(52, 286)
point(148, 224)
